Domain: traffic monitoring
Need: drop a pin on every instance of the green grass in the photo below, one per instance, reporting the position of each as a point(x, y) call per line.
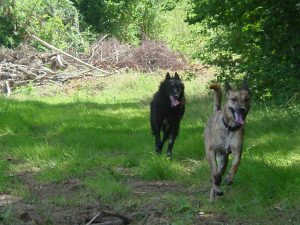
point(107, 185)
point(160, 168)
point(96, 138)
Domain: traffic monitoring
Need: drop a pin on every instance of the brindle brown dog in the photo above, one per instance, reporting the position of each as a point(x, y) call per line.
point(224, 134)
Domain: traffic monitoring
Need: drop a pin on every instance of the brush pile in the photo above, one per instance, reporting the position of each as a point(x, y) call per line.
point(148, 57)
point(26, 65)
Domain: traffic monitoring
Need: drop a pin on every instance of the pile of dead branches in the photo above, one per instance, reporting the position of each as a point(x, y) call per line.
point(148, 57)
point(26, 65)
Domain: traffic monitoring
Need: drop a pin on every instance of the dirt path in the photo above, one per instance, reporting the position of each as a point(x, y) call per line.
point(62, 203)
point(70, 203)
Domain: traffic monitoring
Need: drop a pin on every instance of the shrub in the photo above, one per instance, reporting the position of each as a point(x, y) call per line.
point(259, 40)
point(54, 21)
point(8, 34)
point(127, 20)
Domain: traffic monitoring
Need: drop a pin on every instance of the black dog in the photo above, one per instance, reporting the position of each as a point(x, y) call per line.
point(167, 109)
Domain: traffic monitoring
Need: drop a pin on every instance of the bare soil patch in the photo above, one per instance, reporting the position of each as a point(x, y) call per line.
point(62, 203)
point(69, 202)
point(156, 209)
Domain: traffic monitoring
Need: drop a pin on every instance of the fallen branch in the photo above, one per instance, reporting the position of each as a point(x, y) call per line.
point(67, 54)
point(22, 82)
point(98, 43)
point(77, 75)
point(104, 213)
point(60, 61)
point(95, 217)
point(47, 70)
point(7, 88)
point(40, 77)
point(114, 222)
point(126, 219)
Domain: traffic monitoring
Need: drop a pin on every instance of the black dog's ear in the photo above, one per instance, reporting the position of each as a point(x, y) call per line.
point(168, 76)
point(245, 85)
point(227, 86)
point(177, 76)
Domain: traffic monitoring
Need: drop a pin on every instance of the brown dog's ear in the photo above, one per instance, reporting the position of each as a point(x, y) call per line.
point(177, 76)
point(245, 85)
point(168, 76)
point(227, 86)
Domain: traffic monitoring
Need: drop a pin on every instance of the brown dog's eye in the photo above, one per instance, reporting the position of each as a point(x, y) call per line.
point(247, 99)
point(234, 99)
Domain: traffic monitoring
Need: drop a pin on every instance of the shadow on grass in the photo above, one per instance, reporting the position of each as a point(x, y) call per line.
point(69, 139)
point(86, 134)
point(90, 124)
point(125, 126)
point(83, 135)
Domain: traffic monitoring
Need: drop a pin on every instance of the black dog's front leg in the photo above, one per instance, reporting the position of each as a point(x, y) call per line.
point(156, 124)
point(165, 135)
point(171, 144)
point(158, 145)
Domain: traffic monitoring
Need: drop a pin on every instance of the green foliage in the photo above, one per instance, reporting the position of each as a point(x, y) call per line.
point(256, 39)
point(128, 20)
point(176, 31)
point(8, 31)
point(56, 22)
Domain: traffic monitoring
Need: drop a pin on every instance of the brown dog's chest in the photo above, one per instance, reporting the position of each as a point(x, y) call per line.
point(228, 142)
point(231, 142)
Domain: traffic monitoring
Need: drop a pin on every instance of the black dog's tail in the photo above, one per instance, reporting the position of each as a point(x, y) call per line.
point(217, 96)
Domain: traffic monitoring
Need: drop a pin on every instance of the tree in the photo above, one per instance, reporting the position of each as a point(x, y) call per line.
point(256, 39)
point(8, 30)
point(128, 20)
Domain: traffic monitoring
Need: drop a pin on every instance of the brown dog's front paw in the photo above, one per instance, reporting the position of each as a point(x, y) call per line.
point(212, 195)
point(215, 191)
point(228, 181)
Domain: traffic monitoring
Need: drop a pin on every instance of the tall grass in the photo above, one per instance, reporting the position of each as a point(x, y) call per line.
point(160, 168)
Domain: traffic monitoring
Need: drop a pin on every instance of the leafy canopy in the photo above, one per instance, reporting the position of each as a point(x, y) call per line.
point(256, 39)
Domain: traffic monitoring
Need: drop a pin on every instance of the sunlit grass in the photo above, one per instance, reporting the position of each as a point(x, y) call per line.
point(161, 168)
point(65, 136)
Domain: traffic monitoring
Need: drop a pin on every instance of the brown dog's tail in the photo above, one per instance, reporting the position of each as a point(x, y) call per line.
point(217, 96)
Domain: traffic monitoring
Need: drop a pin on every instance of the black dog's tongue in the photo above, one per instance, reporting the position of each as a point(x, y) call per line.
point(174, 101)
